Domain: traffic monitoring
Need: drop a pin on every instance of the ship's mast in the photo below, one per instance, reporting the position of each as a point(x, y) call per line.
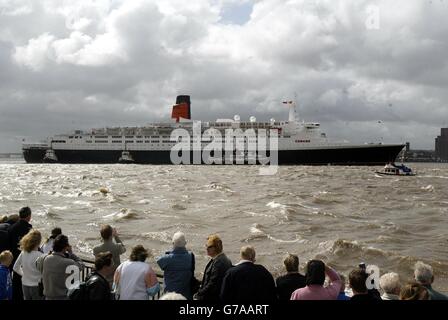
point(292, 110)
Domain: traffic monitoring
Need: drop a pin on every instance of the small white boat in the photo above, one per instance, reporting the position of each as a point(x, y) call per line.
point(392, 169)
point(126, 157)
point(50, 156)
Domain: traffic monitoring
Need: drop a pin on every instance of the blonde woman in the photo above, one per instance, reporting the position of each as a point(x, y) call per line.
point(26, 265)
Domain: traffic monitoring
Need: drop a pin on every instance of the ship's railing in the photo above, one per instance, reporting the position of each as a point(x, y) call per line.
point(34, 145)
point(89, 266)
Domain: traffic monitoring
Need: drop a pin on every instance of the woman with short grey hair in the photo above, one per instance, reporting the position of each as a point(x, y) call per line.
point(391, 286)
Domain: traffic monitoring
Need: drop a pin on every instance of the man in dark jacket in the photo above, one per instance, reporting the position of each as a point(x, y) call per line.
point(15, 233)
point(248, 281)
point(98, 287)
point(214, 271)
point(4, 227)
point(10, 220)
point(291, 281)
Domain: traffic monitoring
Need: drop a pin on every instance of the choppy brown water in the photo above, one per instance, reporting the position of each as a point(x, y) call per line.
point(343, 215)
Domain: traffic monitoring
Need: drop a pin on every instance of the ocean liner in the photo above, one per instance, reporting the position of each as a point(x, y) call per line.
point(297, 142)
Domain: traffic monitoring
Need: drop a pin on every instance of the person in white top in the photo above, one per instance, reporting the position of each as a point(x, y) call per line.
point(134, 279)
point(47, 247)
point(26, 265)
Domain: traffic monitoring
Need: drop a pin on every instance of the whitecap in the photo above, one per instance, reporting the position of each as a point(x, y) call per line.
point(83, 203)
point(124, 214)
point(256, 214)
point(297, 240)
point(162, 236)
point(275, 205)
point(60, 208)
point(254, 230)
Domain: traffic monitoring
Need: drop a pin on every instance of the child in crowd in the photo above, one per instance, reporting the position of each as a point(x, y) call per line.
point(6, 258)
point(342, 295)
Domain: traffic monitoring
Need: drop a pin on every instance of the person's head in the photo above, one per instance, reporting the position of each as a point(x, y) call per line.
point(357, 280)
point(106, 232)
point(179, 240)
point(172, 296)
point(61, 243)
point(3, 219)
point(104, 263)
point(6, 258)
point(414, 291)
point(25, 213)
point(13, 218)
point(139, 253)
point(31, 241)
point(55, 232)
point(291, 263)
point(423, 273)
point(213, 245)
point(342, 282)
point(248, 253)
point(390, 283)
point(315, 272)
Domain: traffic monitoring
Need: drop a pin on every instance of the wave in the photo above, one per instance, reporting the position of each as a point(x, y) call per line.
point(124, 214)
point(440, 177)
point(275, 205)
point(50, 212)
point(326, 198)
point(341, 252)
point(429, 188)
point(219, 187)
point(350, 249)
point(83, 203)
point(162, 236)
point(256, 233)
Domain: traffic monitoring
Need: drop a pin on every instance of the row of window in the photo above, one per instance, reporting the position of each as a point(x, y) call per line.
point(303, 141)
point(157, 141)
point(119, 137)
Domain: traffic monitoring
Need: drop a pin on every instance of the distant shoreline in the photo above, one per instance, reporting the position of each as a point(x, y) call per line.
point(11, 156)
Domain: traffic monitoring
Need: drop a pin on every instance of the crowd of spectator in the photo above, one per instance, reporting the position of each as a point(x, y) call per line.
point(30, 270)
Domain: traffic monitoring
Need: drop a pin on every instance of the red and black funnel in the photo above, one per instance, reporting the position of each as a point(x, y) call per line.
point(182, 108)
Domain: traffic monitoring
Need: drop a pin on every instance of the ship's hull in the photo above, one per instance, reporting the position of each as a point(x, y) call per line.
point(349, 155)
point(396, 174)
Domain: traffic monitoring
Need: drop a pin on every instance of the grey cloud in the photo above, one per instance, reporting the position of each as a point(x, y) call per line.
point(345, 76)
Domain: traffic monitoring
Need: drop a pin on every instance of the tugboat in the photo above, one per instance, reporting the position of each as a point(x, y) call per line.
point(391, 169)
point(126, 156)
point(50, 157)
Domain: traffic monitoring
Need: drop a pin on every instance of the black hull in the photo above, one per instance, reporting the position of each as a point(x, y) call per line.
point(362, 155)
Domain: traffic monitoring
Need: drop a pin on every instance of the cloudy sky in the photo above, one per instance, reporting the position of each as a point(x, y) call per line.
point(369, 71)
